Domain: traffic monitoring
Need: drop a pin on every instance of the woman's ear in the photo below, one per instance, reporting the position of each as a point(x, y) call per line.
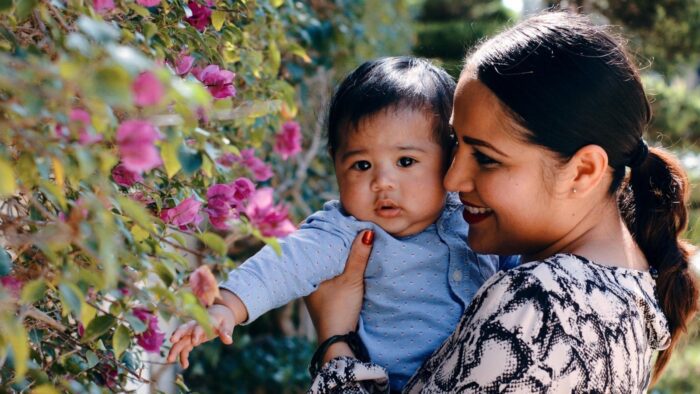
point(586, 170)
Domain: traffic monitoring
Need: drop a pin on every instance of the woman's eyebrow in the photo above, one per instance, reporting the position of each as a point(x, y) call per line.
point(478, 142)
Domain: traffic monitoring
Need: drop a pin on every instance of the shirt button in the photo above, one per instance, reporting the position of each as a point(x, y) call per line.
point(457, 276)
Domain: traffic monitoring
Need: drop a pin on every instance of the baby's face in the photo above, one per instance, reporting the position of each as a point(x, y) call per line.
point(390, 172)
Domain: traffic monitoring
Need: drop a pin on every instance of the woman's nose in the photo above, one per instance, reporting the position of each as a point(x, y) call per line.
point(459, 177)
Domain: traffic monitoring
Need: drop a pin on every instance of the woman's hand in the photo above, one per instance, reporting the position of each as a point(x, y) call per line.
point(335, 305)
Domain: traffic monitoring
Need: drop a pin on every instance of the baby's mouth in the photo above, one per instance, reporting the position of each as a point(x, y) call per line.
point(386, 208)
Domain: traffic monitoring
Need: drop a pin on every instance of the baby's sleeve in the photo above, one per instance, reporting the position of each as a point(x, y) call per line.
point(315, 252)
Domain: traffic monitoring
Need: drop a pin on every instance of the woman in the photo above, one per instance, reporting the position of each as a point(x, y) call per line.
point(548, 115)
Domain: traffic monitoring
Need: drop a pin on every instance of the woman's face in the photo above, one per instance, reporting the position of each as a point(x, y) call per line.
point(512, 200)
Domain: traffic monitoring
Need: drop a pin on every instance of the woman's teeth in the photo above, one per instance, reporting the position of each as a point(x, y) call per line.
point(477, 211)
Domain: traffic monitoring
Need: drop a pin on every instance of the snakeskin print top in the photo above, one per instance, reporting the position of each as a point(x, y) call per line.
point(564, 324)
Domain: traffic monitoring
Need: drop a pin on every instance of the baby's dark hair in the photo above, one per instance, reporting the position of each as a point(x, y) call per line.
point(392, 83)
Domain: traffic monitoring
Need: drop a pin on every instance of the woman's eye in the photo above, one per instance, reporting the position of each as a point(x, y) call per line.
point(482, 159)
point(406, 161)
point(361, 165)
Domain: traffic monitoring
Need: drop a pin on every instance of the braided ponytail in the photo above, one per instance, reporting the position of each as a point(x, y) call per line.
point(653, 204)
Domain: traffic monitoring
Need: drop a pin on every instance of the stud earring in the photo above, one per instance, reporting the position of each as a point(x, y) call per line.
point(573, 190)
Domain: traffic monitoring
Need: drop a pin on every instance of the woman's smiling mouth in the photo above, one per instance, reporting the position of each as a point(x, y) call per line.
point(474, 214)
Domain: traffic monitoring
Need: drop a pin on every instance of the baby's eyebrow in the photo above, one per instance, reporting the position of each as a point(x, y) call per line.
point(351, 153)
point(410, 147)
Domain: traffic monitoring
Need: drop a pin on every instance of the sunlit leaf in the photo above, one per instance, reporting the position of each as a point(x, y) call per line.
point(7, 179)
point(136, 212)
point(213, 242)
point(59, 172)
point(87, 313)
point(33, 291)
point(168, 152)
point(139, 233)
point(18, 339)
point(217, 19)
point(45, 389)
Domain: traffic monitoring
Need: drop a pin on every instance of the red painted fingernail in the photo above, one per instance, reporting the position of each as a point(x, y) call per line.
point(368, 237)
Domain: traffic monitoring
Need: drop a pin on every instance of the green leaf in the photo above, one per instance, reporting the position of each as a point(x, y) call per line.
point(168, 151)
point(92, 359)
point(97, 327)
point(136, 324)
point(190, 160)
point(71, 297)
point(5, 5)
point(7, 179)
point(5, 262)
point(164, 272)
point(112, 84)
point(139, 10)
point(18, 339)
point(136, 212)
point(46, 388)
point(217, 19)
point(273, 54)
point(121, 340)
point(277, 3)
point(214, 242)
point(24, 8)
point(139, 233)
point(33, 291)
point(199, 313)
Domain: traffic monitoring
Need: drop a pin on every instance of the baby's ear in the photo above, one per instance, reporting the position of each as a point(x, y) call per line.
point(586, 170)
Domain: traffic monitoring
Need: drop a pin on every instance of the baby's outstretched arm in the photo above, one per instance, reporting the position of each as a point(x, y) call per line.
point(227, 312)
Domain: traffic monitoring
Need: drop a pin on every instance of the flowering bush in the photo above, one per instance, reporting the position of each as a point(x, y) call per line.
point(140, 141)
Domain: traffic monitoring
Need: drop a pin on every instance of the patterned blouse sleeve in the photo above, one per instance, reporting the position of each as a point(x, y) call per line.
point(497, 344)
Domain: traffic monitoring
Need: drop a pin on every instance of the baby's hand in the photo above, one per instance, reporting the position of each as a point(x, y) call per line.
point(191, 334)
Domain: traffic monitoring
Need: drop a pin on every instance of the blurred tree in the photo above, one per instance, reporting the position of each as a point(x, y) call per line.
point(446, 29)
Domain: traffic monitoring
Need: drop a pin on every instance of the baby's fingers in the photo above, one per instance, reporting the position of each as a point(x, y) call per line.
point(183, 331)
point(225, 330)
point(177, 348)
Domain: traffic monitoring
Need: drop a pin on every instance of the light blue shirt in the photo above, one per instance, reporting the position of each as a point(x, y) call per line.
point(416, 287)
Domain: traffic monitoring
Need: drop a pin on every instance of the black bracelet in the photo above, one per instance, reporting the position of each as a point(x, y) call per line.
point(352, 339)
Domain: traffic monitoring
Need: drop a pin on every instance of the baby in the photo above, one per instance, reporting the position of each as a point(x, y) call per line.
point(390, 140)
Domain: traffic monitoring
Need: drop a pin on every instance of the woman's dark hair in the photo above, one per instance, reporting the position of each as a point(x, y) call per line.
point(392, 83)
point(571, 84)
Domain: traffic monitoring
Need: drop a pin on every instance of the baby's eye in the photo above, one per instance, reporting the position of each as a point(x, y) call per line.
point(482, 159)
point(361, 165)
point(406, 161)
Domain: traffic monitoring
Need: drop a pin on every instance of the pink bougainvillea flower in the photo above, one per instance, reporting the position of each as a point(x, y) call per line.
point(201, 14)
point(219, 206)
point(103, 6)
point(183, 214)
point(218, 81)
point(123, 177)
point(272, 220)
point(81, 119)
point(81, 329)
point(261, 171)
point(12, 285)
point(148, 3)
point(151, 339)
point(243, 188)
point(288, 140)
point(204, 285)
point(147, 89)
point(227, 159)
point(183, 64)
point(136, 140)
